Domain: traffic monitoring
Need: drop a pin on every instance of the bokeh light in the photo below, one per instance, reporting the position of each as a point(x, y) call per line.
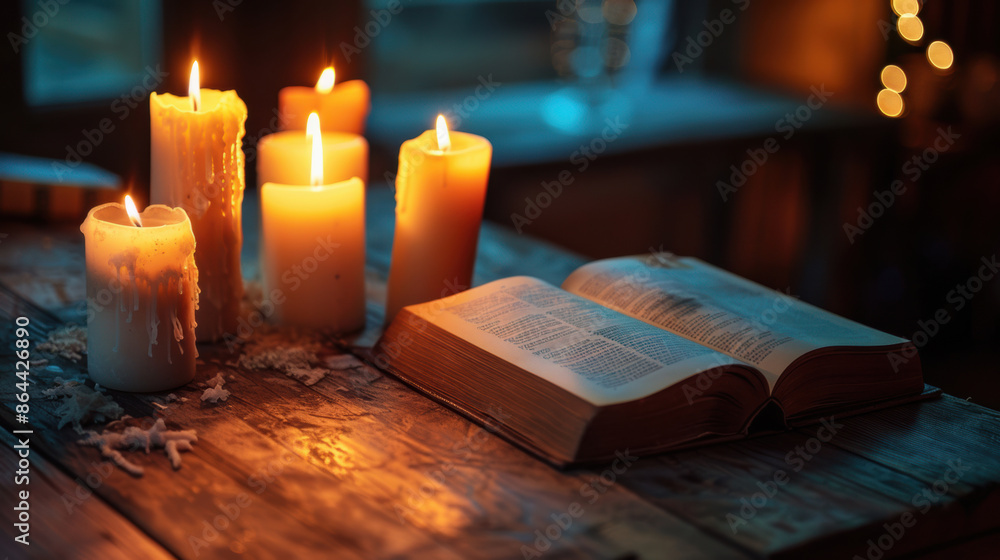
point(939, 55)
point(619, 12)
point(905, 7)
point(910, 28)
point(890, 103)
point(893, 78)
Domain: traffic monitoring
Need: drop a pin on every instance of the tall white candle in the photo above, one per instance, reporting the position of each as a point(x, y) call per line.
point(142, 292)
point(197, 164)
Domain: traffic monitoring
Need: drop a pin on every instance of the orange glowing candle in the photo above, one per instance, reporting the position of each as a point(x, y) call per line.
point(440, 191)
point(142, 291)
point(341, 107)
point(313, 245)
point(197, 164)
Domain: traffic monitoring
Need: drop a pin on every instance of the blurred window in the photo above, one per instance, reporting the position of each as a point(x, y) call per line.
point(85, 50)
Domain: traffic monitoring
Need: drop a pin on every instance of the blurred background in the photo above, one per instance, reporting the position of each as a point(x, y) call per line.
point(843, 151)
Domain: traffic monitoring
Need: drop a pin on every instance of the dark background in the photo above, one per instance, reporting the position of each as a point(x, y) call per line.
point(655, 187)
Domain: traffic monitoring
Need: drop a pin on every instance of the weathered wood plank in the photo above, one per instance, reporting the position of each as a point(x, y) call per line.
point(921, 439)
point(222, 502)
point(373, 468)
point(178, 509)
point(765, 495)
point(752, 495)
point(432, 469)
point(67, 519)
point(346, 451)
point(46, 267)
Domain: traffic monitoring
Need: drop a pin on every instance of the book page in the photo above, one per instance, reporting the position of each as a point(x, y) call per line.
point(718, 309)
point(595, 353)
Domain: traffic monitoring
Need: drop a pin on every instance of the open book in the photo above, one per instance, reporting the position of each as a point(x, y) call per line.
point(641, 353)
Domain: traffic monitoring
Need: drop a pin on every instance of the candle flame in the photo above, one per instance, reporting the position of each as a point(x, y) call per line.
point(444, 139)
point(326, 80)
point(132, 211)
point(194, 87)
point(316, 169)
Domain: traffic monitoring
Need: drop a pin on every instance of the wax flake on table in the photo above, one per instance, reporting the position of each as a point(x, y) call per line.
point(214, 393)
point(294, 356)
point(134, 438)
point(81, 404)
point(341, 362)
point(69, 342)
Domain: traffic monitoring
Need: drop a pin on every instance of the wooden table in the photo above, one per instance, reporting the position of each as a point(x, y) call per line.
point(361, 466)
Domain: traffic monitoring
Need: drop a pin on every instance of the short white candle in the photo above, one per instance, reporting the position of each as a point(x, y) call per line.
point(142, 292)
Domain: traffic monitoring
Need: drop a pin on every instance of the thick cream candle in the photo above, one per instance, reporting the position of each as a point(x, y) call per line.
point(142, 292)
point(341, 108)
point(440, 192)
point(197, 164)
point(313, 247)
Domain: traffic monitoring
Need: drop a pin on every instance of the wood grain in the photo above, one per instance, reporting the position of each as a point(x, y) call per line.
point(361, 466)
point(67, 519)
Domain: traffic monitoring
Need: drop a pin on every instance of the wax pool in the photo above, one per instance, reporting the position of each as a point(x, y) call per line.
point(197, 164)
point(142, 292)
